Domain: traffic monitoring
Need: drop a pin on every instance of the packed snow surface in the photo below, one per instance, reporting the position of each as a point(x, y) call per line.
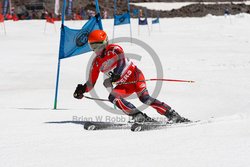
point(212, 51)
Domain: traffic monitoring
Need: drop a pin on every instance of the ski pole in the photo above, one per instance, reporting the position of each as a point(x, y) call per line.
point(92, 98)
point(169, 80)
point(132, 82)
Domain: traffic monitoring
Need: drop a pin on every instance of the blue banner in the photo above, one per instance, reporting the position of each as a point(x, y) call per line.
point(143, 22)
point(155, 21)
point(122, 19)
point(74, 42)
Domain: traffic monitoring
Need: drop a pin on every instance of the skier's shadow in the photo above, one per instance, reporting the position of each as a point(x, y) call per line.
point(67, 122)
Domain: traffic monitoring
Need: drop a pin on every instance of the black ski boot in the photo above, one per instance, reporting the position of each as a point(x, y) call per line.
point(141, 118)
point(174, 117)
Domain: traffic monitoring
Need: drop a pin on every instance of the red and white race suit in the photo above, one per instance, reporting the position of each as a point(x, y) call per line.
point(113, 61)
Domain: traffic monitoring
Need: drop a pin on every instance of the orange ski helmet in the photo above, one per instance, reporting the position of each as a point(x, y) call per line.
point(97, 36)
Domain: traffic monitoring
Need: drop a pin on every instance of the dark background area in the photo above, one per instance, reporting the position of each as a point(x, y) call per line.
point(38, 7)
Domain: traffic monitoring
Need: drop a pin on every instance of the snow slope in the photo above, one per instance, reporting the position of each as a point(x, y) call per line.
point(213, 51)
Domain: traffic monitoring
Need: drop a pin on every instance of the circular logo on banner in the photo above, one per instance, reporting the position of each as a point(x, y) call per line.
point(82, 38)
point(122, 19)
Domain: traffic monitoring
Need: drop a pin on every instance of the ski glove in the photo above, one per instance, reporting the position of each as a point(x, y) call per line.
point(114, 77)
point(80, 89)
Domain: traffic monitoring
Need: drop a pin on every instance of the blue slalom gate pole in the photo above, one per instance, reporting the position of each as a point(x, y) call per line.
point(57, 83)
point(59, 59)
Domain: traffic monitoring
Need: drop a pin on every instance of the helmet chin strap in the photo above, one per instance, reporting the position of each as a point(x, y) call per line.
point(101, 48)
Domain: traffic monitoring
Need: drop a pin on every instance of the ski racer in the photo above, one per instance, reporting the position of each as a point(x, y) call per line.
point(110, 60)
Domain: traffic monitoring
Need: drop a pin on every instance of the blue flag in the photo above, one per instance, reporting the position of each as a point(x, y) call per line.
point(155, 21)
point(74, 42)
point(143, 21)
point(122, 19)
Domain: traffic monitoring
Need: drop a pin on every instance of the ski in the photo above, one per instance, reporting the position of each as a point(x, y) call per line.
point(104, 125)
point(137, 127)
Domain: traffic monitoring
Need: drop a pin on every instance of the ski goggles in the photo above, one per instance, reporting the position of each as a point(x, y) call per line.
point(96, 45)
